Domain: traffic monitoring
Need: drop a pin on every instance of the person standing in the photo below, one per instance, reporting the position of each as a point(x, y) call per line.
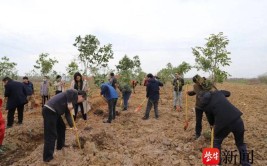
point(79, 84)
point(16, 98)
point(44, 90)
point(111, 96)
point(152, 93)
point(126, 93)
point(30, 93)
point(178, 83)
point(197, 88)
point(54, 126)
point(113, 81)
point(59, 84)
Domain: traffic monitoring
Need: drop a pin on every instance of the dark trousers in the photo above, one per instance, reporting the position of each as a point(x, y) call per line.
point(44, 99)
point(54, 129)
point(126, 97)
point(149, 105)
point(237, 128)
point(11, 112)
point(112, 109)
point(199, 115)
point(82, 111)
point(58, 91)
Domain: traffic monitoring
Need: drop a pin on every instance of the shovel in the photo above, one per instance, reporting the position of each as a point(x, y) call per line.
point(140, 106)
point(76, 131)
point(186, 109)
point(211, 137)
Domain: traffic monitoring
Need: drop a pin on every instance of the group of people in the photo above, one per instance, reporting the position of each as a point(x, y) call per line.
point(223, 116)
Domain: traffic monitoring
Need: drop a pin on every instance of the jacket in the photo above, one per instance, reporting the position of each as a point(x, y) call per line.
point(29, 88)
point(16, 93)
point(108, 91)
point(152, 89)
point(59, 103)
point(178, 84)
point(220, 112)
point(86, 105)
point(196, 90)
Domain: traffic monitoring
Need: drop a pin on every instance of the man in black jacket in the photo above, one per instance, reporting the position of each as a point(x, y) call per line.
point(16, 97)
point(54, 127)
point(152, 93)
point(225, 118)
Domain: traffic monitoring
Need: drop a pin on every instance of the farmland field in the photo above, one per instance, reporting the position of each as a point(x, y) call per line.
point(129, 140)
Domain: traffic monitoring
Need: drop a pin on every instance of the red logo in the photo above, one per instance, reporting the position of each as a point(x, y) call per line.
point(211, 156)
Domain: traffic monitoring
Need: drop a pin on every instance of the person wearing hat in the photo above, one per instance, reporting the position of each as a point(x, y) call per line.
point(54, 127)
point(197, 88)
point(152, 94)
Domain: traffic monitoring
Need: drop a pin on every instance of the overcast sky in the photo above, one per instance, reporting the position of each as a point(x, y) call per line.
point(158, 31)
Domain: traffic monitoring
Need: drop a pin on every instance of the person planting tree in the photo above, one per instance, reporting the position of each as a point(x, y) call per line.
point(54, 126)
point(224, 117)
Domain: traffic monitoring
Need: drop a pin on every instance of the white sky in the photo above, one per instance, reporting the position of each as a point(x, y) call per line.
point(158, 31)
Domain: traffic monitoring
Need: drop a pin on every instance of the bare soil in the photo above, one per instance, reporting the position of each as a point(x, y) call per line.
point(129, 140)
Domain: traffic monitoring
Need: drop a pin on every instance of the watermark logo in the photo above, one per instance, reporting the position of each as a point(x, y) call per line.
point(235, 157)
point(211, 156)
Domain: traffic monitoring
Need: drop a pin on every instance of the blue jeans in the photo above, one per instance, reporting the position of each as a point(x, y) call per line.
point(177, 98)
point(237, 128)
point(149, 105)
point(126, 97)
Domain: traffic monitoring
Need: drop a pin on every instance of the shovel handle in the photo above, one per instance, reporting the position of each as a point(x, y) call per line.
point(76, 131)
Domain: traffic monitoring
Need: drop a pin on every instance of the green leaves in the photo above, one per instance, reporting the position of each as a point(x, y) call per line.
point(7, 68)
point(91, 54)
point(45, 64)
point(213, 56)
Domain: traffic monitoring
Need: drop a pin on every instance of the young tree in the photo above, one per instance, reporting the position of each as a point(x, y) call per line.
point(213, 56)
point(91, 54)
point(7, 68)
point(125, 67)
point(166, 74)
point(183, 68)
point(45, 64)
point(72, 68)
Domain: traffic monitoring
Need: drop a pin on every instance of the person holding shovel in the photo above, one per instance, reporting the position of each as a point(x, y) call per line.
point(152, 94)
point(54, 127)
point(198, 111)
point(225, 118)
